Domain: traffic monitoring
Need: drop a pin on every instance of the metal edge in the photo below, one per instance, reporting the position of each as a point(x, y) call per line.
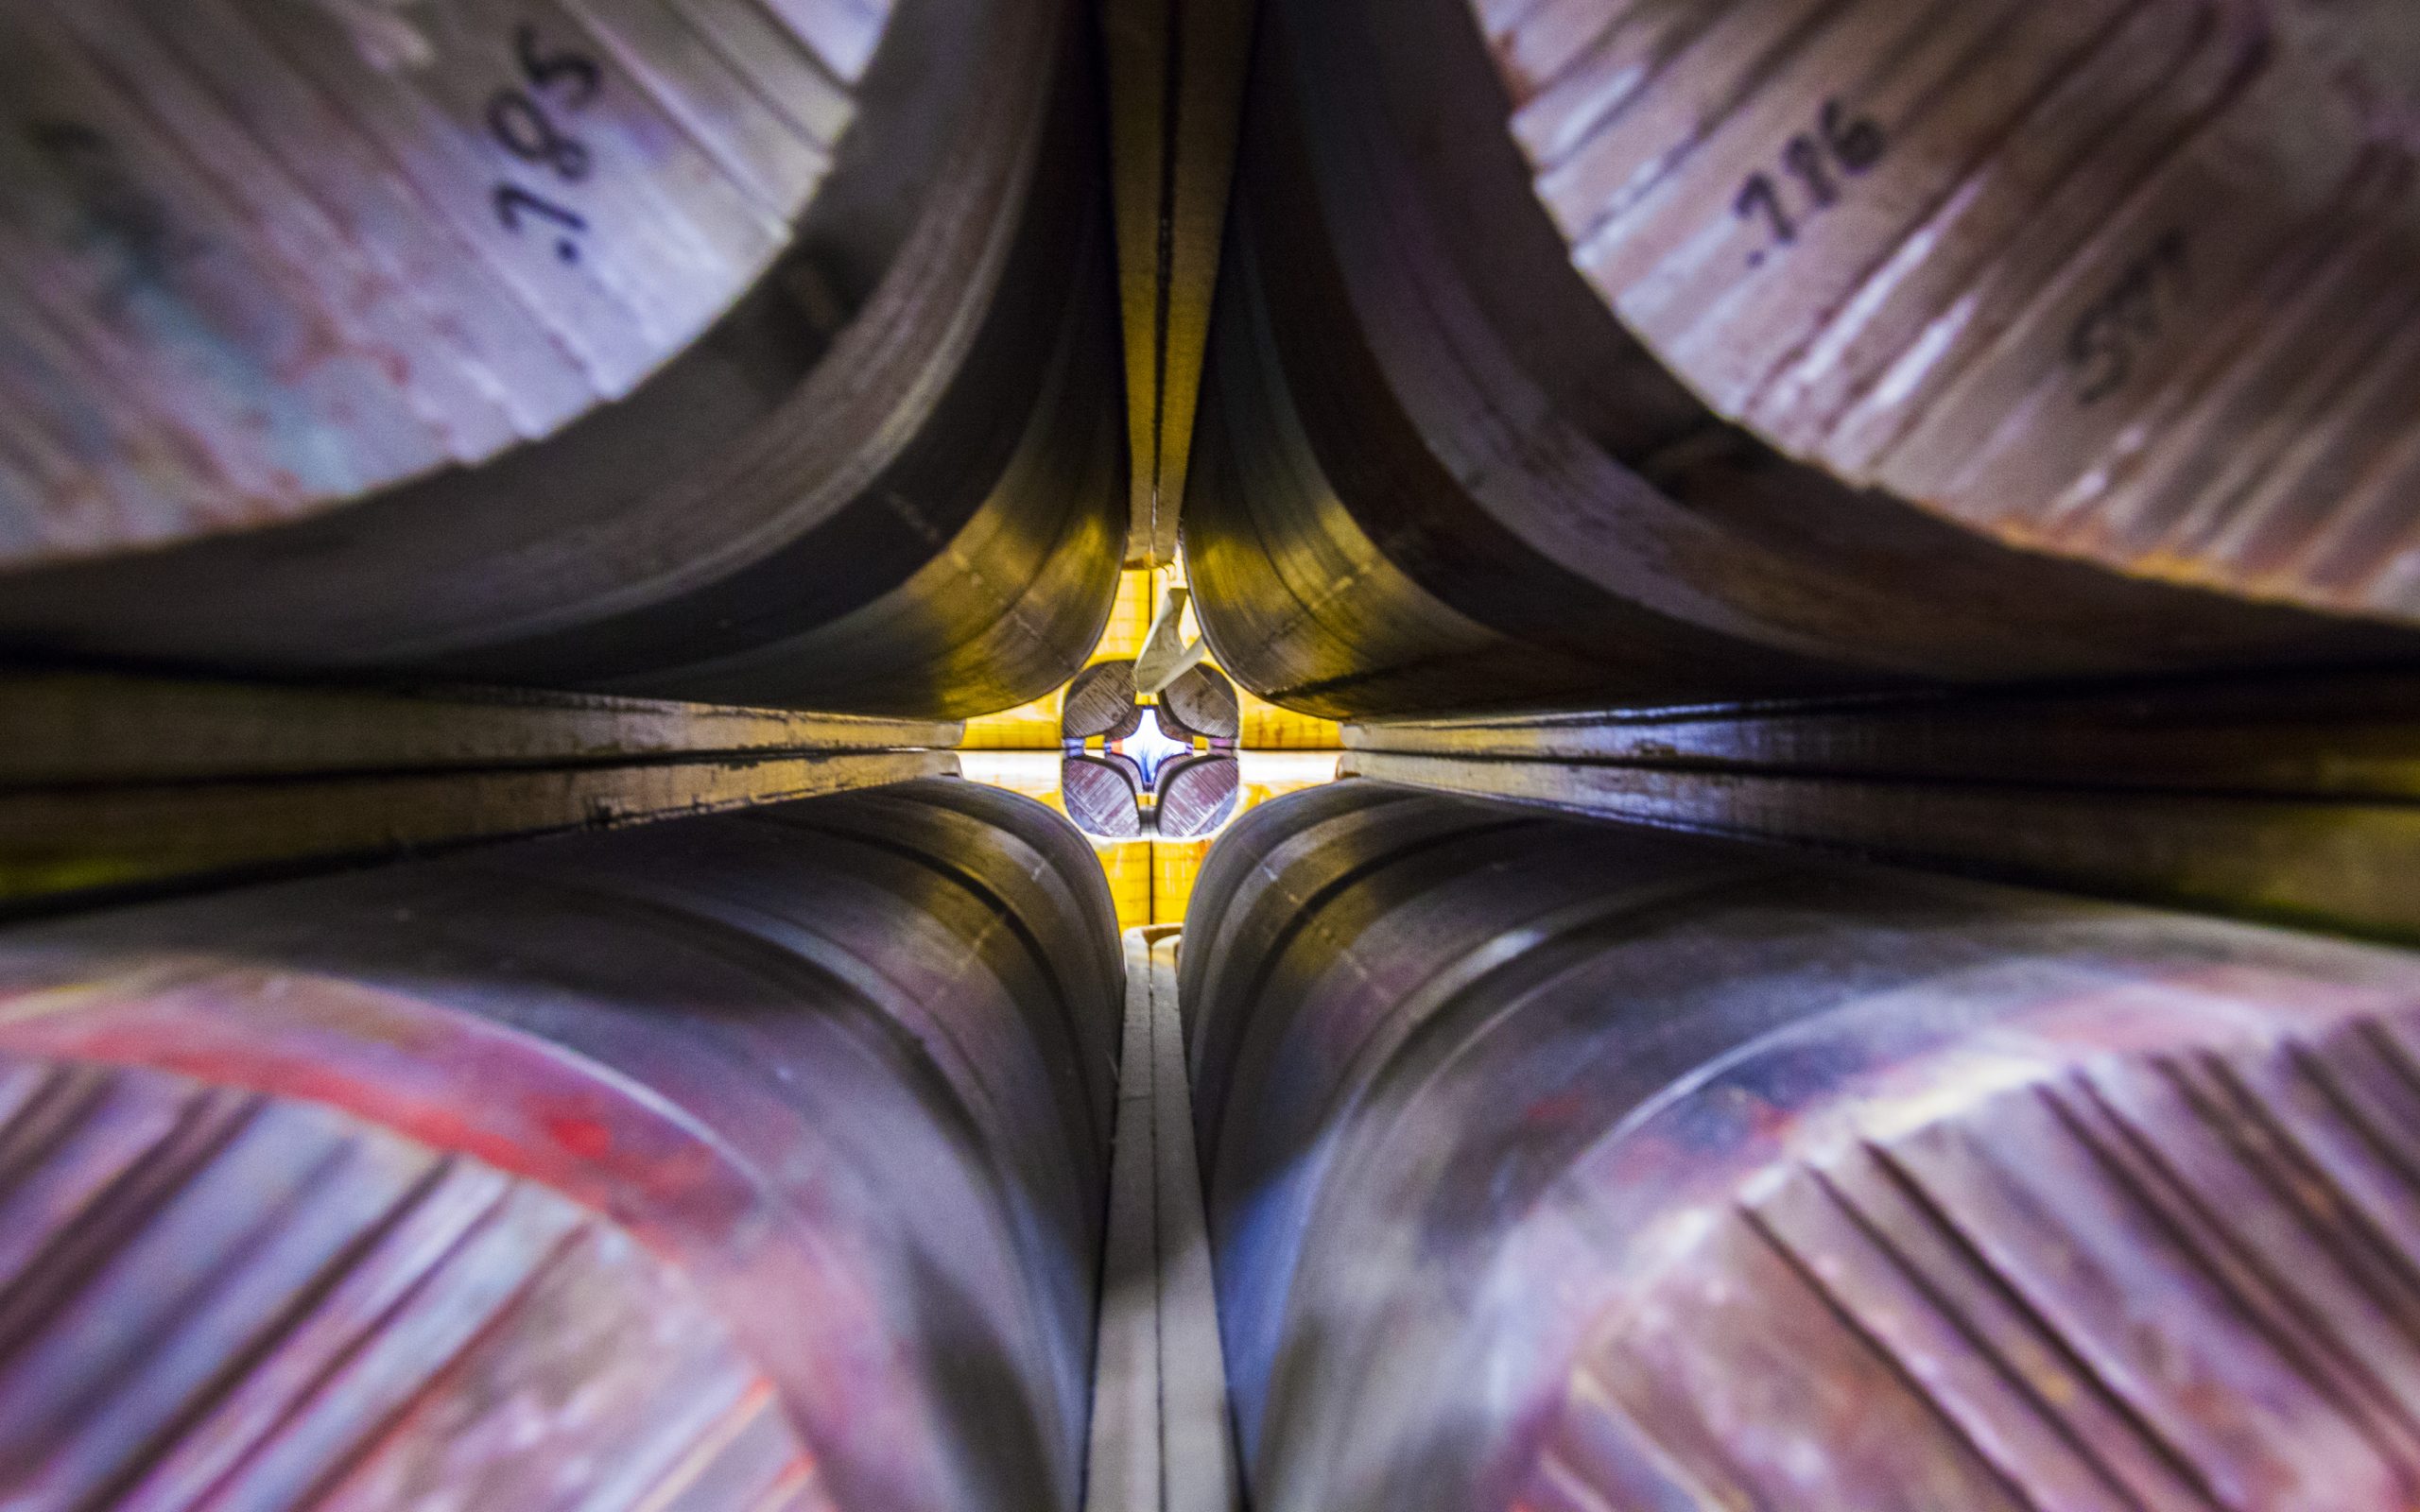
point(1162, 1438)
point(2323, 863)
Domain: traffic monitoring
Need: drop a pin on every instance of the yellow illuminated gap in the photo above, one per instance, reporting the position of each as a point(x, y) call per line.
point(1279, 751)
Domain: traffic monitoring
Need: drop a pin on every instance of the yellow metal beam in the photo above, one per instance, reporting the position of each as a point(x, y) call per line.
point(116, 783)
point(1176, 78)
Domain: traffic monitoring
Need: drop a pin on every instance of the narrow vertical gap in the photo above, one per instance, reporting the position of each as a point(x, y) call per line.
point(1171, 117)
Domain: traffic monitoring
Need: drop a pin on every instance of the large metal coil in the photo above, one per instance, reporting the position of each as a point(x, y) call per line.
point(753, 353)
point(1601, 352)
point(728, 1166)
point(1567, 1167)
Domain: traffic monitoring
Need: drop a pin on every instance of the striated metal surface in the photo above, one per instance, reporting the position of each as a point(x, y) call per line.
point(886, 478)
point(1104, 795)
point(112, 784)
point(1567, 1166)
point(266, 256)
point(1161, 1440)
point(750, 1163)
point(2289, 799)
point(1194, 795)
point(2345, 736)
point(1176, 86)
point(221, 1300)
point(1101, 701)
point(1435, 472)
point(1200, 702)
point(81, 729)
point(2128, 280)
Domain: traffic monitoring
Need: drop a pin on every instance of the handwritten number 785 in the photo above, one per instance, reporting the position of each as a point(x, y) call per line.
point(519, 122)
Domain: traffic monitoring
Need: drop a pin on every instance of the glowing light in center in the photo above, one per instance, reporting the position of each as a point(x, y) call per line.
point(1149, 749)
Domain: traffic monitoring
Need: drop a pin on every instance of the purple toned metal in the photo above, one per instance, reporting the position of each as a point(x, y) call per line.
point(751, 1162)
point(1102, 793)
point(221, 1300)
point(1559, 1167)
point(1436, 470)
point(848, 438)
point(1197, 794)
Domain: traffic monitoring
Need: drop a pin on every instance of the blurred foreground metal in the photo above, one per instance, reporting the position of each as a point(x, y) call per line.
point(756, 1162)
point(1564, 1166)
point(844, 439)
point(1161, 1438)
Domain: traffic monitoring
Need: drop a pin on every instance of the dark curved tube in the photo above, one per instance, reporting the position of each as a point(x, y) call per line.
point(1435, 474)
point(746, 1161)
point(890, 480)
point(1558, 1165)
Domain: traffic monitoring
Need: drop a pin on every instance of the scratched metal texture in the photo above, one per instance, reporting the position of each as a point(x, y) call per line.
point(2127, 281)
point(747, 1162)
point(876, 469)
point(266, 257)
point(1435, 471)
point(1564, 1166)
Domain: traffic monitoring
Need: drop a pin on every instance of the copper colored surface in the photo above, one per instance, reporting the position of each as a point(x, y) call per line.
point(265, 259)
point(218, 1298)
point(747, 1162)
point(1555, 1165)
point(2128, 282)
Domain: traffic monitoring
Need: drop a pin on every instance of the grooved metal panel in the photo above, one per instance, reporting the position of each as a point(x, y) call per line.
point(211, 1298)
point(1566, 1165)
point(739, 1163)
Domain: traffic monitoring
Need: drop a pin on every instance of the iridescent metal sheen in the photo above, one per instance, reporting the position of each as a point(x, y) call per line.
point(746, 1162)
point(1564, 1166)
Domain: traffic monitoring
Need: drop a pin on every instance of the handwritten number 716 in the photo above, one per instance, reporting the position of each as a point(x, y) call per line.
point(1838, 145)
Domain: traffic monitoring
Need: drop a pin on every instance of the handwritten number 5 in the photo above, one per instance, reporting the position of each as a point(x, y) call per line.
point(546, 71)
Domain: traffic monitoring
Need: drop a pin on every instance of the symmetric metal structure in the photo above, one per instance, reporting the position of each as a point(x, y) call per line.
point(1762, 440)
